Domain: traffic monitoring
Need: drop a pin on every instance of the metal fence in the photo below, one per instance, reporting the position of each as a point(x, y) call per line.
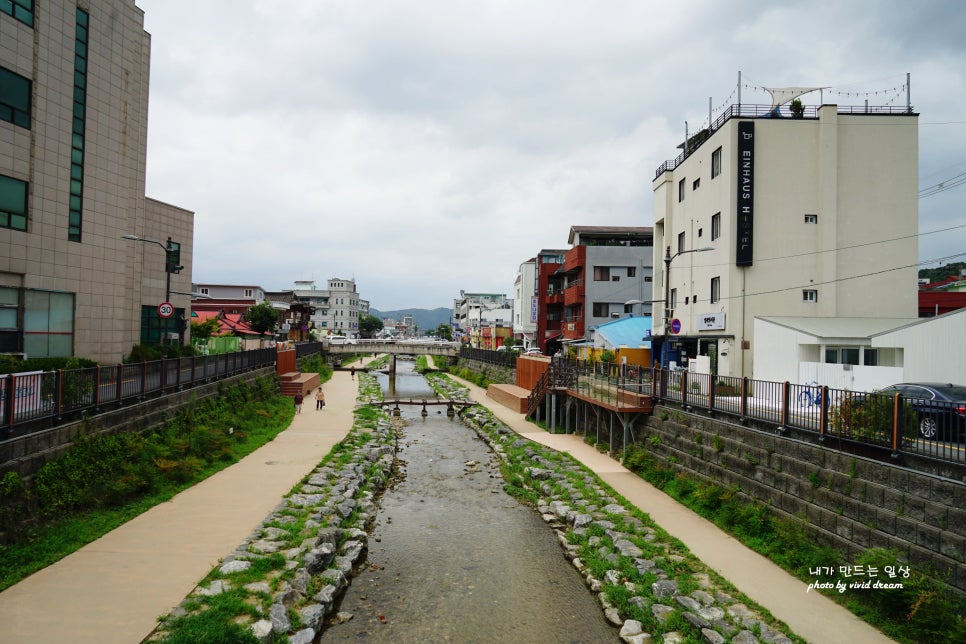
point(53, 395)
point(932, 429)
point(506, 359)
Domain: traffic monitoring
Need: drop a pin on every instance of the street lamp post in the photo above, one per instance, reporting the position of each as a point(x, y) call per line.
point(172, 255)
point(667, 293)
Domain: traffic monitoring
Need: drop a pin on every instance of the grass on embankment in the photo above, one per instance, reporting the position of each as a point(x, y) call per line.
point(103, 481)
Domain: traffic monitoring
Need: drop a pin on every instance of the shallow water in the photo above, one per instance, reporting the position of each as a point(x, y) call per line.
point(453, 558)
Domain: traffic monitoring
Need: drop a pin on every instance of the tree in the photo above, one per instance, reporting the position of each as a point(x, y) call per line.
point(204, 330)
point(369, 325)
point(444, 332)
point(262, 317)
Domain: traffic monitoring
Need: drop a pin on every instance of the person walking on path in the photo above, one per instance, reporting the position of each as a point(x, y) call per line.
point(352, 371)
point(299, 398)
point(319, 399)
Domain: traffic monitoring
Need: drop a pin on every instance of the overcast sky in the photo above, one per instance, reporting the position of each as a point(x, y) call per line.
point(423, 147)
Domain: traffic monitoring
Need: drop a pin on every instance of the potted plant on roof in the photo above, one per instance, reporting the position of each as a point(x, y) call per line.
point(797, 109)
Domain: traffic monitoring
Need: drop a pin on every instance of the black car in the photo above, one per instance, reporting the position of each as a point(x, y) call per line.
point(940, 407)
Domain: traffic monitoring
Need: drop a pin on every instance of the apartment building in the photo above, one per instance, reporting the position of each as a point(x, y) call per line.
point(766, 213)
point(484, 320)
point(336, 308)
point(606, 274)
point(86, 259)
point(525, 304)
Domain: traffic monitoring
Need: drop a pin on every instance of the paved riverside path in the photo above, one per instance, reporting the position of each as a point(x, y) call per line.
point(810, 615)
point(114, 589)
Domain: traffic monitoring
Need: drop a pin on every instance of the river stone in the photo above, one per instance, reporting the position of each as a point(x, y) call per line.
point(235, 566)
point(613, 616)
point(664, 588)
point(312, 615)
point(304, 636)
point(265, 546)
point(712, 636)
point(703, 597)
point(262, 630)
point(661, 612)
point(744, 637)
point(280, 621)
point(688, 603)
point(216, 587)
point(258, 587)
point(628, 548)
point(614, 508)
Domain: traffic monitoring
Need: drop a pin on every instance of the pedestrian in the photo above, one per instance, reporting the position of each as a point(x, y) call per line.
point(319, 399)
point(353, 373)
point(298, 402)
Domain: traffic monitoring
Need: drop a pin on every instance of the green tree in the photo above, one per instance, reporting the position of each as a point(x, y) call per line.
point(262, 317)
point(444, 332)
point(204, 330)
point(369, 325)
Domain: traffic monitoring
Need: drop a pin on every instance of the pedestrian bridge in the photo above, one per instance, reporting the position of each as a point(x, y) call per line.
point(394, 347)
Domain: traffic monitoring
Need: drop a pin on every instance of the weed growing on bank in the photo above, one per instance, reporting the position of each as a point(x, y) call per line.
point(104, 481)
point(921, 611)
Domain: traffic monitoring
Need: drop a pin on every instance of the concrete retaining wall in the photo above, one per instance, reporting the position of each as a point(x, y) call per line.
point(26, 454)
point(850, 503)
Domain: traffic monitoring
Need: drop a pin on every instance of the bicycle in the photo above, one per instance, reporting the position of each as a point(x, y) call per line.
point(811, 395)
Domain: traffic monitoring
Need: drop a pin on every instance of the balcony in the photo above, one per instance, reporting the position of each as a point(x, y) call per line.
point(574, 293)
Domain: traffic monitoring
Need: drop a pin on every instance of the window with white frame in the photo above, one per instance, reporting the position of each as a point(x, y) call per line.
point(715, 289)
point(809, 295)
point(715, 226)
point(811, 219)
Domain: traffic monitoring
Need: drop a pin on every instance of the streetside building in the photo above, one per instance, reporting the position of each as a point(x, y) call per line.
point(334, 310)
point(484, 320)
point(549, 289)
point(769, 214)
point(73, 140)
point(525, 304)
point(605, 274)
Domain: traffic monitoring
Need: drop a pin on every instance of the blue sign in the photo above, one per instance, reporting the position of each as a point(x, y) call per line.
point(675, 326)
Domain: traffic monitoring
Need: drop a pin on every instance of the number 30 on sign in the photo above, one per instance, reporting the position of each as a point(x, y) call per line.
point(166, 309)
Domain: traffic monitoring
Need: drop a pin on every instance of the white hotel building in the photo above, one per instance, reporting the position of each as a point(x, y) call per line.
point(765, 214)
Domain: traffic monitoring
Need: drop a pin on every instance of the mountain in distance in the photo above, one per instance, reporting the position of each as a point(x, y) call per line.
point(425, 319)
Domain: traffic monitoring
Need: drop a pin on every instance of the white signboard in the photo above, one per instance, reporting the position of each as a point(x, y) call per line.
point(710, 321)
point(26, 393)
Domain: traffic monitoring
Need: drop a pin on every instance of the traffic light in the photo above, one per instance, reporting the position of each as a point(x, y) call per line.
point(172, 254)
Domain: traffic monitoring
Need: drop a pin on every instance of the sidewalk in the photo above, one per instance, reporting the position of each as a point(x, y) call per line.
point(116, 588)
point(810, 615)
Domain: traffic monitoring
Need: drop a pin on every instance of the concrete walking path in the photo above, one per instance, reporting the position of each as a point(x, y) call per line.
point(810, 615)
point(116, 588)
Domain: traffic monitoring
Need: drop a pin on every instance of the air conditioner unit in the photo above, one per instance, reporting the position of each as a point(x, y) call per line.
point(615, 315)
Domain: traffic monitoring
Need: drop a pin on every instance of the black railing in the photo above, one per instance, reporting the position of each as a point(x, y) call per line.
point(748, 110)
point(53, 395)
point(505, 358)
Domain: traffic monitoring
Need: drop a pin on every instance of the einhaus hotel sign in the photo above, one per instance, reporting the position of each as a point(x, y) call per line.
point(745, 210)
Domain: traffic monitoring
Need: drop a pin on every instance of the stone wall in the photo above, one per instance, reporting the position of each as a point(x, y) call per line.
point(495, 373)
point(850, 502)
point(26, 454)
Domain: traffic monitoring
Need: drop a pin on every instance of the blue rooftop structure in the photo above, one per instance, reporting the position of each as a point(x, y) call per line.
point(630, 332)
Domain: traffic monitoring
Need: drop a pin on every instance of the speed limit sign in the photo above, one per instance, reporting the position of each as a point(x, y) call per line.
point(166, 309)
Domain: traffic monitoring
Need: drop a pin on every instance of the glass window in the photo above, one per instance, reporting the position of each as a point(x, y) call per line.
point(870, 357)
point(14, 98)
point(715, 226)
point(674, 298)
point(601, 309)
point(810, 295)
point(811, 219)
point(831, 356)
point(680, 242)
point(681, 187)
point(13, 203)
point(631, 271)
point(850, 355)
point(602, 273)
point(715, 289)
point(48, 324)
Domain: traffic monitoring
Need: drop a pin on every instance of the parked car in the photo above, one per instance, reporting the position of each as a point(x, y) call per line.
point(534, 351)
point(940, 408)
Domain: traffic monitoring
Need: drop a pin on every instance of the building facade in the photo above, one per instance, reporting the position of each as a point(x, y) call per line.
point(606, 274)
point(550, 299)
point(484, 320)
point(73, 140)
point(335, 309)
point(525, 305)
point(814, 216)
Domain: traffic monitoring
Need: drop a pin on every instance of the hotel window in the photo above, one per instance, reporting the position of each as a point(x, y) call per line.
point(601, 273)
point(810, 295)
point(13, 203)
point(811, 219)
point(681, 187)
point(14, 97)
point(715, 226)
point(680, 242)
point(716, 163)
point(715, 289)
